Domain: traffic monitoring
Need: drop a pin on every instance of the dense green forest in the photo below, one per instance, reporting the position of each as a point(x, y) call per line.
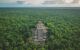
point(63, 28)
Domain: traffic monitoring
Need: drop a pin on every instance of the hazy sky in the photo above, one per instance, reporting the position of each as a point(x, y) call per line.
point(72, 3)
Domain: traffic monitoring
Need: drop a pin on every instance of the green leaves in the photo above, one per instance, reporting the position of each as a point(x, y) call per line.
point(16, 28)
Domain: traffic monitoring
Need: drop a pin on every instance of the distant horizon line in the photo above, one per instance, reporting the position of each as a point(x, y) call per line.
point(39, 7)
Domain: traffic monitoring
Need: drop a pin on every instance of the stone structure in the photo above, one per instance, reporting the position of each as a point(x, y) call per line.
point(39, 35)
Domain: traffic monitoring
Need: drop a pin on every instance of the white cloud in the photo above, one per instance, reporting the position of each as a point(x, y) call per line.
point(79, 2)
point(68, 1)
point(35, 2)
point(39, 2)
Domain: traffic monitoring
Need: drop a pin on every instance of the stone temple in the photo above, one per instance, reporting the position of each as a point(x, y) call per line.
point(40, 32)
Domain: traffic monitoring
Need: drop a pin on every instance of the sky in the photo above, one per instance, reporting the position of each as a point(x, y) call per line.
point(39, 3)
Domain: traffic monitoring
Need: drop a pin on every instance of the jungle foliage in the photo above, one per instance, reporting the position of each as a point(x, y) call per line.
point(16, 24)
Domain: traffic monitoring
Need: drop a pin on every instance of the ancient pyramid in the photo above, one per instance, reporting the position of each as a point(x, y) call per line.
point(40, 33)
